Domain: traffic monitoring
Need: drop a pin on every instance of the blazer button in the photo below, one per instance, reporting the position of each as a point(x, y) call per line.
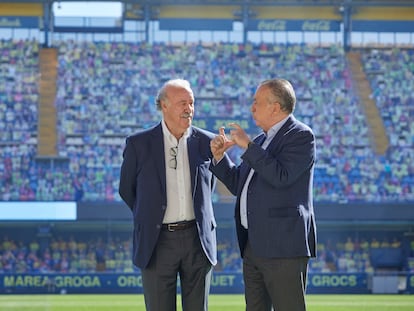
point(158, 226)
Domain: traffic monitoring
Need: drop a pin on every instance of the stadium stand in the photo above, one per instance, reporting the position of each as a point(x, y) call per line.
point(105, 92)
point(70, 254)
point(63, 135)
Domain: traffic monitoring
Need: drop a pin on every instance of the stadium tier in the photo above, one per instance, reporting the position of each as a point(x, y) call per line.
point(105, 91)
point(77, 253)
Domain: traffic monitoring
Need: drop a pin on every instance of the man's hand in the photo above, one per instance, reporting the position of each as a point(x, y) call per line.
point(220, 144)
point(239, 136)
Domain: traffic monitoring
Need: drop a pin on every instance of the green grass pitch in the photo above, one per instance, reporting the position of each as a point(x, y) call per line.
point(216, 303)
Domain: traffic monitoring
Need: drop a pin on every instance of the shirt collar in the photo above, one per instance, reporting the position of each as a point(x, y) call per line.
point(170, 137)
point(275, 128)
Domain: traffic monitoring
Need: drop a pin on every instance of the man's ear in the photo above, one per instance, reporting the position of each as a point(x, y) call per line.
point(276, 107)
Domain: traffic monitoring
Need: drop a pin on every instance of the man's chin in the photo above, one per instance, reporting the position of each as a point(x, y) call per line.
point(186, 122)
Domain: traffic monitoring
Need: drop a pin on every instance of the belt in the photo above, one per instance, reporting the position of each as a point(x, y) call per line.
point(182, 225)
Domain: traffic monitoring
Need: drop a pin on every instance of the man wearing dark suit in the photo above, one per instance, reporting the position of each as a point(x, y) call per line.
point(274, 214)
point(166, 182)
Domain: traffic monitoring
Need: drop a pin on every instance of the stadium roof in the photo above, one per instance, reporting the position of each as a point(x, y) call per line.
point(393, 3)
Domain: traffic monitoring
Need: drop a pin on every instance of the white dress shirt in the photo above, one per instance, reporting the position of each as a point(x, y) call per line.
point(243, 196)
point(178, 181)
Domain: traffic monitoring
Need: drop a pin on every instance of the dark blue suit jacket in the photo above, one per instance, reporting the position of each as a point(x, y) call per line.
point(143, 188)
point(280, 209)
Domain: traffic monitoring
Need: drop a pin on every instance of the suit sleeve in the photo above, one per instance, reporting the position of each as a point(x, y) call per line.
point(226, 171)
point(127, 182)
point(285, 166)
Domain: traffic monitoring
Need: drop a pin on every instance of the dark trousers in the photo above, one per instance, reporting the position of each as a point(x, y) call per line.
point(177, 253)
point(277, 282)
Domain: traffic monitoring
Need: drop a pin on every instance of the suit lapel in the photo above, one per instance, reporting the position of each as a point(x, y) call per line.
point(157, 152)
point(192, 146)
point(288, 124)
point(244, 168)
point(260, 139)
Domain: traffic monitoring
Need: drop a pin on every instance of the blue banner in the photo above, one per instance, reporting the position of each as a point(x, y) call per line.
point(20, 22)
point(293, 25)
point(81, 29)
point(123, 283)
point(338, 283)
point(382, 26)
point(198, 24)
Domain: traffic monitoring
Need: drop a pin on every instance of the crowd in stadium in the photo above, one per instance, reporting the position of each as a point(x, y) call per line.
point(391, 72)
point(89, 255)
point(106, 91)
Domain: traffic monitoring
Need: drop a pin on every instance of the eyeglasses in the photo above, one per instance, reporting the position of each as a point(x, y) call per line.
point(172, 163)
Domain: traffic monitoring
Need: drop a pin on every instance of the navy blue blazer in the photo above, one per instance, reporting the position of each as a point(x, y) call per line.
point(142, 186)
point(279, 203)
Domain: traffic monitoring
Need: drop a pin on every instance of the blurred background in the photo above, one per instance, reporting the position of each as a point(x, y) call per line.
point(77, 78)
